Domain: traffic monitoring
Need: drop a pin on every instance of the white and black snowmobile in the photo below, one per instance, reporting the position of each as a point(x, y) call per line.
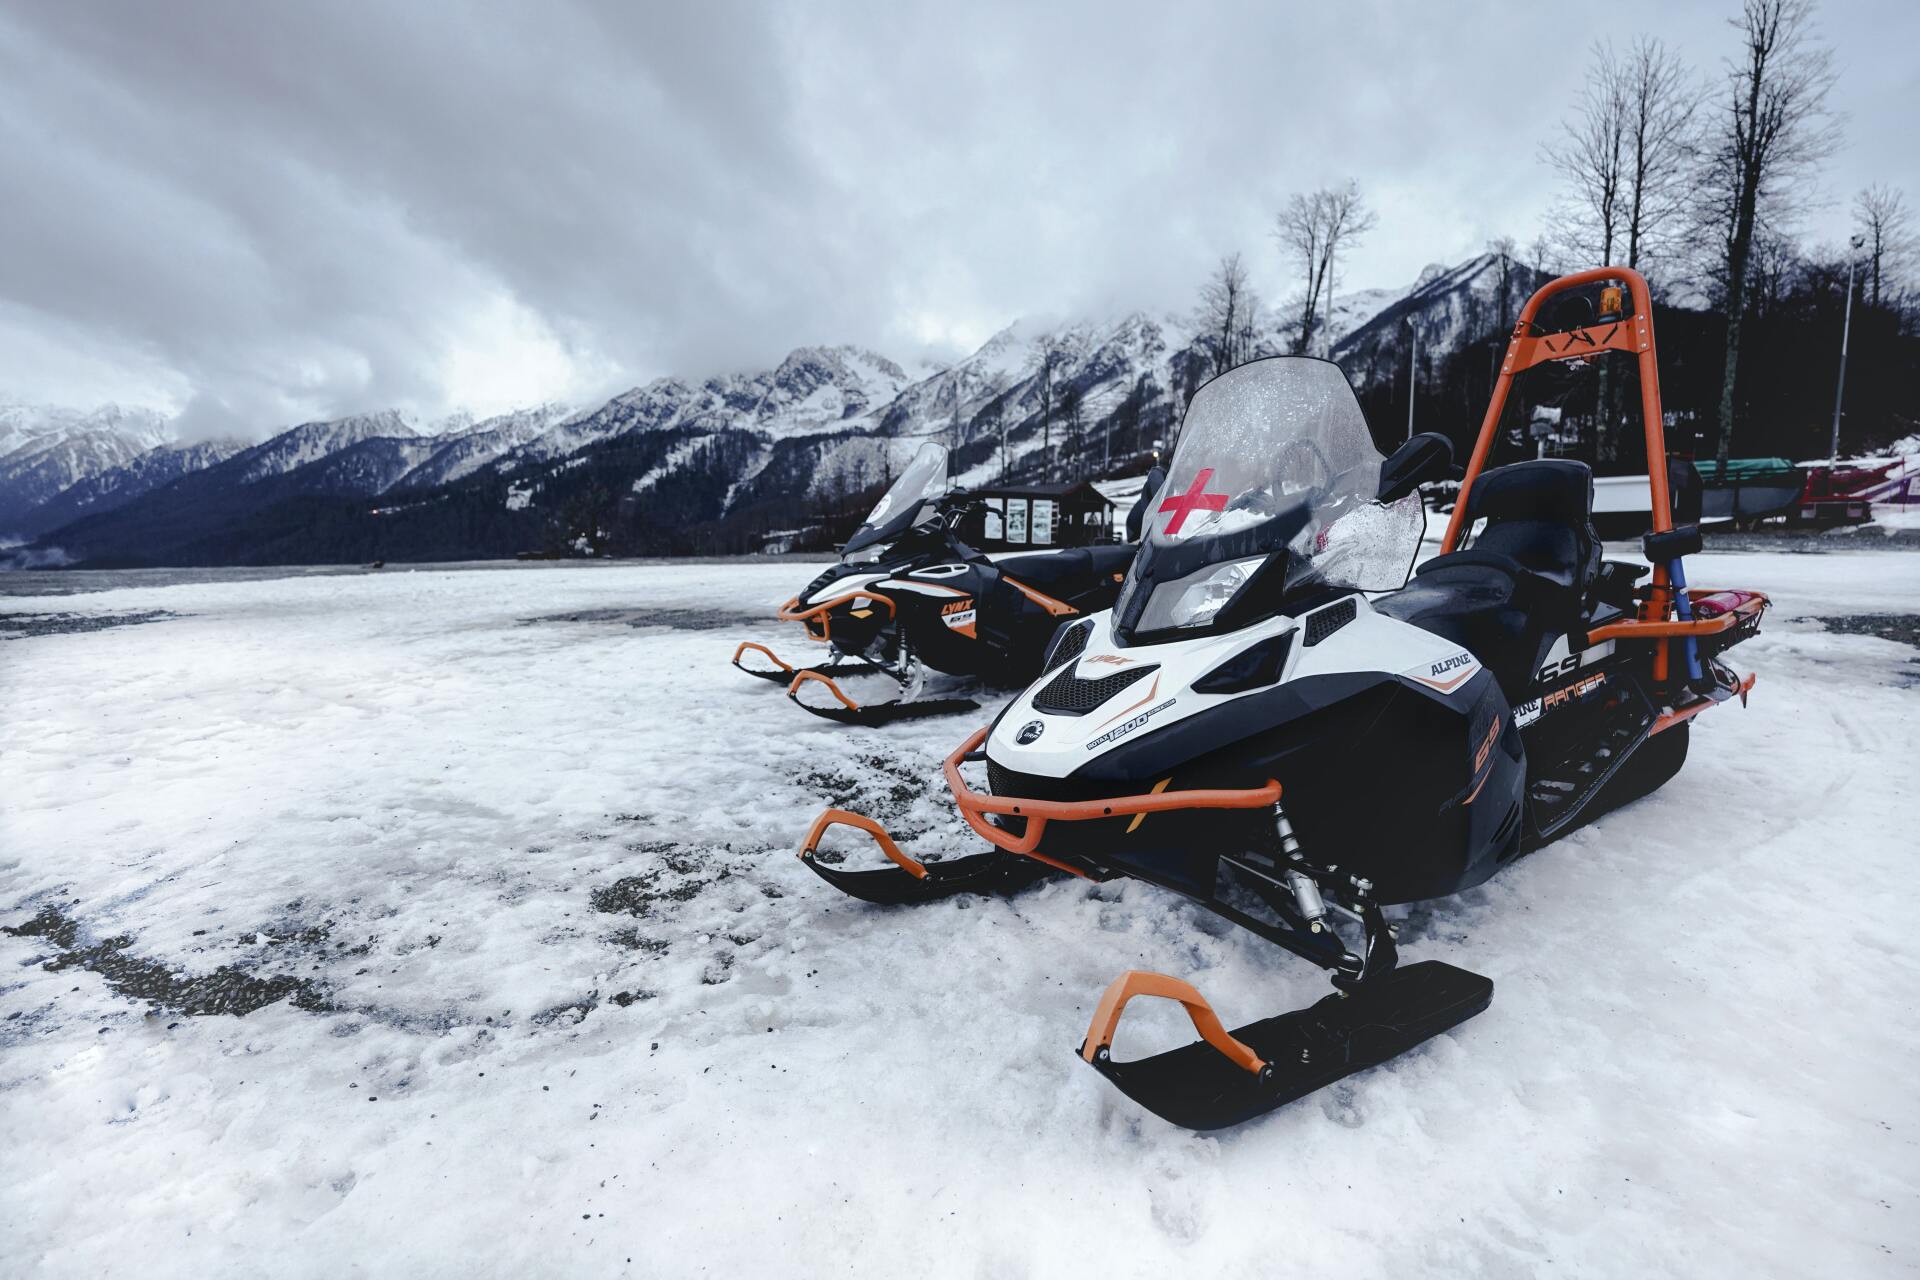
point(1274, 723)
point(910, 597)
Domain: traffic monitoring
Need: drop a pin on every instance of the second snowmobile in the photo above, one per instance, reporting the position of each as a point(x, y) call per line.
point(910, 597)
point(1273, 723)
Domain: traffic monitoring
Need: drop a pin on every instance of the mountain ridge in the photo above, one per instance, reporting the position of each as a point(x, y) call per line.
point(723, 461)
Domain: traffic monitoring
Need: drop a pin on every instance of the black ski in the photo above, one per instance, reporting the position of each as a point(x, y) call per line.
point(1199, 1087)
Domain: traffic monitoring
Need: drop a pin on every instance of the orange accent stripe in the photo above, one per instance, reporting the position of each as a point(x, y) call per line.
point(1138, 982)
point(1151, 691)
point(1139, 818)
point(1058, 608)
point(1486, 745)
point(1448, 685)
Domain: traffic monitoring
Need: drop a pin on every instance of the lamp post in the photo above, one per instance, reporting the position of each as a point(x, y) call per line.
point(1413, 358)
point(1846, 328)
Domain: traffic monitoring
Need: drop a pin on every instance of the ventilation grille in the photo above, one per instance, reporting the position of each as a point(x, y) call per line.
point(820, 582)
point(1068, 695)
point(1324, 622)
point(1072, 643)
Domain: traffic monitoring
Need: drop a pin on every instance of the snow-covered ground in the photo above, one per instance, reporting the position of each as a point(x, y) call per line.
point(551, 994)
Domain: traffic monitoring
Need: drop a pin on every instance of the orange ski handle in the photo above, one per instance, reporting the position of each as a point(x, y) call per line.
point(793, 690)
point(757, 647)
point(860, 822)
point(1140, 982)
point(976, 805)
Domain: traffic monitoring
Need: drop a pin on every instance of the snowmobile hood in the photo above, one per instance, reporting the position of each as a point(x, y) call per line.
point(1270, 492)
point(1079, 713)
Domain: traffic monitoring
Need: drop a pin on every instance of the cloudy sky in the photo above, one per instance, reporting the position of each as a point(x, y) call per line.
point(261, 213)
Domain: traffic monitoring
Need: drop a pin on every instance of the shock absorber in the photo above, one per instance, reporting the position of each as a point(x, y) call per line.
point(1306, 890)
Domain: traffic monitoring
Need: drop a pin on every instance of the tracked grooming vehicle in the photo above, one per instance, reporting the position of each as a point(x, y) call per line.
point(1274, 722)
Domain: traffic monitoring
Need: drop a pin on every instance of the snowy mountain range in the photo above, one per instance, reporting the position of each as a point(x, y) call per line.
point(46, 450)
point(674, 465)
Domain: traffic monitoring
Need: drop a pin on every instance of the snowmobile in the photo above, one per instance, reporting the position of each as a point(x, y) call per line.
point(1275, 723)
point(909, 596)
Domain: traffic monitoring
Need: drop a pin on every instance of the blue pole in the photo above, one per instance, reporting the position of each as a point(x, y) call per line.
point(1685, 606)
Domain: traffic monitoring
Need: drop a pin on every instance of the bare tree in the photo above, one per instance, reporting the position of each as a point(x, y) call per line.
point(1591, 155)
point(1662, 104)
point(956, 427)
point(1312, 230)
point(1049, 357)
point(1627, 152)
point(1772, 266)
point(1886, 230)
point(1541, 256)
point(1505, 253)
point(1227, 306)
point(1070, 399)
point(1773, 129)
point(994, 416)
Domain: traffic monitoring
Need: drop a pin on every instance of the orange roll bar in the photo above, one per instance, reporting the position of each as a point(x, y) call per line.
point(1525, 349)
point(1140, 982)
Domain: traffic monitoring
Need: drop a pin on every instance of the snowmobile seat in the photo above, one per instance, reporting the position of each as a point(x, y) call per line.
point(1524, 581)
point(1539, 513)
point(1070, 571)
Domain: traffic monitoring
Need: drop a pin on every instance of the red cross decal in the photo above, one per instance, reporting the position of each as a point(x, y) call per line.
point(1194, 499)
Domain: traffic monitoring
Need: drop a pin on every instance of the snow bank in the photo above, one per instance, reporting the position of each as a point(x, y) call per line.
point(560, 998)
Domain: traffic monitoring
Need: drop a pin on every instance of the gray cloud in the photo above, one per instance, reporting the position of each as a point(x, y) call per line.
point(270, 212)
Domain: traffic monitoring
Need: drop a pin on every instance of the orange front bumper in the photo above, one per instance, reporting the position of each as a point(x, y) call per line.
point(818, 619)
point(976, 805)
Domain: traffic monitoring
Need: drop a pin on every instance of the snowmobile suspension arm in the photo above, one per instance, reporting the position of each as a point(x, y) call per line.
point(1140, 982)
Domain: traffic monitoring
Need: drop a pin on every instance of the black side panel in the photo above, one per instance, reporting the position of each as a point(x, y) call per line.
point(1406, 790)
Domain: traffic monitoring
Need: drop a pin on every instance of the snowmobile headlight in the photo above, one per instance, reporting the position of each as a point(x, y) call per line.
point(866, 555)
point(1195, 600)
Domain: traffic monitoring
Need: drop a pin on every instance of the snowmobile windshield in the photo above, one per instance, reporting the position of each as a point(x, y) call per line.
point(901, 506)
point(1270, 493)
